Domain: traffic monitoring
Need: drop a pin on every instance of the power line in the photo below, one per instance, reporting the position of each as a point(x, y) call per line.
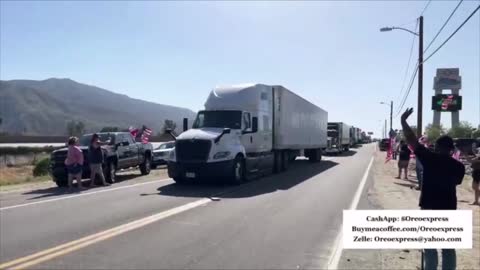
point(464, 22)
point(443, 26)
point(426, 6)
point(408, 64)
point(408, 92)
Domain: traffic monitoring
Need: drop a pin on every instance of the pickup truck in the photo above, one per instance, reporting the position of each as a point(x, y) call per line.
point(122, 152)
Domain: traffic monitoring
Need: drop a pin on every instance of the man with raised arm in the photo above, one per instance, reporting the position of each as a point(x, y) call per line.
point(441, 175)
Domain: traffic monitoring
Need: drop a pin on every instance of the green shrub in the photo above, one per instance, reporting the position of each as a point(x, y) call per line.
point(41, 168)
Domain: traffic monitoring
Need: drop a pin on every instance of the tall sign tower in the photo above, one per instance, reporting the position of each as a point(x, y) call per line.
point(447, 79)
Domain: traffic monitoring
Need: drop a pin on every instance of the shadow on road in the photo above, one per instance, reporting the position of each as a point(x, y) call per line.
point(405, 184)
point(300, 171)
point(348, 153)
point(56, 191)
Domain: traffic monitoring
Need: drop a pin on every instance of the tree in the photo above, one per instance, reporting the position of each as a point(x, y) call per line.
point(476, 133)
point(433, 132)
point(463, 130)
point(169, 124)
point(75, 128)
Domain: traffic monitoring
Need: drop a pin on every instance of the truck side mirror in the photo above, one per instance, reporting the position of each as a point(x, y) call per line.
point(169, 132)
point(225, 131)
point(254, 124)
point(185, 124)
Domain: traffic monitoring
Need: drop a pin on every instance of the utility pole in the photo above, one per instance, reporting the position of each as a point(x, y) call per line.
point(420, 78)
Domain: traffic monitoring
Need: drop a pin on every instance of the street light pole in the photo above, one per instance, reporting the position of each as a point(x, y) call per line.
point(385, 128)
point(420, 78)
point(420, 69)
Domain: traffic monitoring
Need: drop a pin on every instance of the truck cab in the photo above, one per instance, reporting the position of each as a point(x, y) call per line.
point(221, 137)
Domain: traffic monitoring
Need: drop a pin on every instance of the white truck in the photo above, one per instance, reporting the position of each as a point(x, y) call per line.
point(248, 130)
point(338, 138)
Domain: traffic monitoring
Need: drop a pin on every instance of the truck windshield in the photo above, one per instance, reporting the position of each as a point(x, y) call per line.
point(85, 139)
point(218, 119)
point(332, 133)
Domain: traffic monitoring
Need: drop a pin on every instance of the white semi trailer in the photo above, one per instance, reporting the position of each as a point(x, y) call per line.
point(246, 130)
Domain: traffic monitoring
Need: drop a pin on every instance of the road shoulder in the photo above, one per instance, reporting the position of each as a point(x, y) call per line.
point(386, 192)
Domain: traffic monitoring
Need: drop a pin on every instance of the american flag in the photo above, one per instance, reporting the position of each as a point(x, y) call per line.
point(133, 131)
point(390, 150)
point(146, 133)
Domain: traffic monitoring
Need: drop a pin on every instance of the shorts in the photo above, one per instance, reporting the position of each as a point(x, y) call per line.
point(74, 169)
point(476, 176)
point(403, 163)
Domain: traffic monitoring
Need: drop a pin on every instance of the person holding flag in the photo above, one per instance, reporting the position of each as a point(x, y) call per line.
point(403, 159)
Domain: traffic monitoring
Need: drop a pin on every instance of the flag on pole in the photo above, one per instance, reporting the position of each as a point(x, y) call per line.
point(146, 133)
point(390, 150)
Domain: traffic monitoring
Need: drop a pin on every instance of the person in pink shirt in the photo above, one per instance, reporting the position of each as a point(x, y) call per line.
point(74, 162)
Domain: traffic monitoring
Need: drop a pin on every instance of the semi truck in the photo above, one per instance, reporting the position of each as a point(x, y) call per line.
point(338, 138)
point(353, 136)
point(246, 131)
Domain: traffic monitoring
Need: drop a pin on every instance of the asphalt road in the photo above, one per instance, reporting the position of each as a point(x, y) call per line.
point(284, 221)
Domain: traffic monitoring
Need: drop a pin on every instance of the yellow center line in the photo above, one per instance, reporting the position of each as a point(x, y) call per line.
point(48, 254)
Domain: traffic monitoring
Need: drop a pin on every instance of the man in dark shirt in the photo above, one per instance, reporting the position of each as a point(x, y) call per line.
point(441, 175)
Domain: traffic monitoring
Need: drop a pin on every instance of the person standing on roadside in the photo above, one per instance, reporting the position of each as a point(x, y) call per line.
point(74, 163)
point(403, 159)
point(441, 175)
point(475, 164)
point(95, 159)
point(418, 165)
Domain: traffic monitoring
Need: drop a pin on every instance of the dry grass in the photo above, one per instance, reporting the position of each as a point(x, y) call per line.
point(19, 175)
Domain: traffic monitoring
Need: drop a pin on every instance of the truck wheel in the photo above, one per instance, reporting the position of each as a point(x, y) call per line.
point(312, 155)
point(180, 180)
point(319, 155)
point(285, 161)
point(277, 162)
point(145, 166)
point(238, 170)
point(110, 172)
point(61, 182)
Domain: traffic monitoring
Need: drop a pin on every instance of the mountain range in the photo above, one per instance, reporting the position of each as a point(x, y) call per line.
point(46, 107)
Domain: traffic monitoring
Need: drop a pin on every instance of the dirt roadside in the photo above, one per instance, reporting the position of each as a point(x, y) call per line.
point(390, 193)
point(123, 178)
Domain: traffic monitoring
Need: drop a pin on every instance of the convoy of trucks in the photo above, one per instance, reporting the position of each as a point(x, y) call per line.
point(248, 130)
point(244, 131)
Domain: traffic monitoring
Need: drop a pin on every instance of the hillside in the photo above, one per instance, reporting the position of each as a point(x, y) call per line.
point(45, 107)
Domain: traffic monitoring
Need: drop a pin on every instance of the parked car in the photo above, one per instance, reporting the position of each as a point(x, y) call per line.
point(384, 144)
point(161, 153)
point(121, 153)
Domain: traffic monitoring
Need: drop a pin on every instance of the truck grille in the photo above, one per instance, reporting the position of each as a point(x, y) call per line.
point(192, 150)
point(60, 156)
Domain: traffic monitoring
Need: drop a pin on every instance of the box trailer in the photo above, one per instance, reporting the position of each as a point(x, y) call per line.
point(247, 130)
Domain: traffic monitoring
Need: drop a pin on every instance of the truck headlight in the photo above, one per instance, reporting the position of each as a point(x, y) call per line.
point(220, 155)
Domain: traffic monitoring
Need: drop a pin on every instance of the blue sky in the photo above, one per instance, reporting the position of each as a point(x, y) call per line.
point(331, 53)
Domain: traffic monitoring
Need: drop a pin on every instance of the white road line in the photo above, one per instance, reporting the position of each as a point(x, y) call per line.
point(338, 245)
point(83, 194)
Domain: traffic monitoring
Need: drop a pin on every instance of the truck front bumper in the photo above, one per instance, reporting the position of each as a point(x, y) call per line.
point(201, 170)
